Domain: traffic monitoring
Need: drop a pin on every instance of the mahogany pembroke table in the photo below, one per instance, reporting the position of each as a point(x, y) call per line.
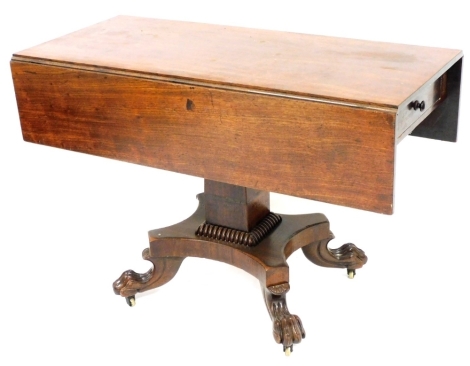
point(250, 111)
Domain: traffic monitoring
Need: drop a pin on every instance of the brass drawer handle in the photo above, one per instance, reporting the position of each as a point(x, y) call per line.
point(417, 105)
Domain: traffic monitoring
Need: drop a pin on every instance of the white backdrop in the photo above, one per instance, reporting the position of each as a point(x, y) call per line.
point(71, 223)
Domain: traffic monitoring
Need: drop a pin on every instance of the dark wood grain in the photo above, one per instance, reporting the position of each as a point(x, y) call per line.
point(442, 124)
point(235, 207)
point(311, 116)
point(162, 271)
point(251, 111)
point(287, 328)
point(346, 256)
point(324, 151)
point(267, 261)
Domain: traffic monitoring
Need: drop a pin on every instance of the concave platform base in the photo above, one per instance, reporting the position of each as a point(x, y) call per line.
point(266, 261)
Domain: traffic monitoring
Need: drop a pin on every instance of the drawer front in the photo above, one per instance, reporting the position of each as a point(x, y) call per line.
point(419, 105)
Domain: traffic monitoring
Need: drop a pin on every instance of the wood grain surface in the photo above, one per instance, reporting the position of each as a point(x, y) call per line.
point(310, 116)
point(371, 73)
point(328, 152)
point(235, 207)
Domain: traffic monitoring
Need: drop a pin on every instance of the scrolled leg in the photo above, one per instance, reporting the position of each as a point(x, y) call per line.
point(130, 282)
point(287, 328)
point(346, 256)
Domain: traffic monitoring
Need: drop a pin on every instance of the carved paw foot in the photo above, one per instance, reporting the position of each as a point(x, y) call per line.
point(130, 282)
point(346, 256)
point(287, 328)
point(350, 254)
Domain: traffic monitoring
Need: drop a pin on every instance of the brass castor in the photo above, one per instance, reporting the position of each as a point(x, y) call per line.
point(130, 301)
point(351, 273)
point(288, 350)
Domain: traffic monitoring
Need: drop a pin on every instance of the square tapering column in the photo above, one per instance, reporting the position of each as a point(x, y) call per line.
point(233, 206)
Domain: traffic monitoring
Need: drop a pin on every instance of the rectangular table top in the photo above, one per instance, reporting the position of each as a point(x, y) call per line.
point(311, 116)
point(364, 72)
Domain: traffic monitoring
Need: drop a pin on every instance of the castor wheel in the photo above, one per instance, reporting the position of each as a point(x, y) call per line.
point(130, 301)
point(288, 350)
point(351, 273)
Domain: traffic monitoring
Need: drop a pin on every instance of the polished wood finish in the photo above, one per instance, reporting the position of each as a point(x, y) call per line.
point(162, 271)
point(287, 328)
point(251, 111)
point(238, 208)
point(346, 256)
point(332, 153)
point(236, 236)
point(310, 116)
point(267, 261)
point(365, 72)
point(443, 122)
point(420, 105)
